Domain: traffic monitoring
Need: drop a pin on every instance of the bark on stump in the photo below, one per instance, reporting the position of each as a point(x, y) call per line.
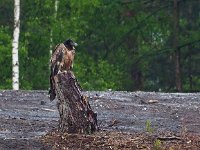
point(76, 115)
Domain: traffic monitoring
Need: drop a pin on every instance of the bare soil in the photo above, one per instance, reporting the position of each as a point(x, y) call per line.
point(127, 120)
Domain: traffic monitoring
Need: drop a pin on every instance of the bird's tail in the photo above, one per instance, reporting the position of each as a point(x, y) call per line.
point(52, 92)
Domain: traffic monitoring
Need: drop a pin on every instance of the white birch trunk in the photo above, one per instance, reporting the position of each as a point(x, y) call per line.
point(15, 43)
point(51, 32)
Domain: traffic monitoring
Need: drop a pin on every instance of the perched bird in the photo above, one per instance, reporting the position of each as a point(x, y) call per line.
point(61, 60)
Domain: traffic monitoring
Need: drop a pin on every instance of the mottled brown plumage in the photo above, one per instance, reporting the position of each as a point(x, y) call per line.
point(61, 60)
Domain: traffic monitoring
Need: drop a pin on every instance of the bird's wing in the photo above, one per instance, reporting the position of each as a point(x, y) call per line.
point(56, 59)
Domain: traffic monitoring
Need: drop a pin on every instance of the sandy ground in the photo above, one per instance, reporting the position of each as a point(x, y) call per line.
point(27, 116)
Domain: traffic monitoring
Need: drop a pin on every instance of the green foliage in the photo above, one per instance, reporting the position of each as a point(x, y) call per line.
point(149, 126)
point(157, 145)
point(5, 59)
point(123, 45)
point(97, 75)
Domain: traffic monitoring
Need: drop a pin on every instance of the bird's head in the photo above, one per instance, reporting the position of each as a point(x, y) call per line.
point(70, 44)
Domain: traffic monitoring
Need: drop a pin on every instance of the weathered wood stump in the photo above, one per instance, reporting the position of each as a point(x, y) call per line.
point(76, 115)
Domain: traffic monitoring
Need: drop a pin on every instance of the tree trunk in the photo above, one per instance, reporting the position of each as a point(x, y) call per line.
point(51, 31)
point(190, 70)
point(190, 47)
point(76, 115)
point(176, 48)
point(138, 79)
point(15, 61)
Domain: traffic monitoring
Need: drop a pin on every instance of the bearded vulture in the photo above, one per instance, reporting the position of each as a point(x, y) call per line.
point(61, 60)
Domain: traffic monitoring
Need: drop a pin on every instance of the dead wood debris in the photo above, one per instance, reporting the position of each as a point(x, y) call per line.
point(118, 140)
point(151, 101)
point(114, 122)
point(169, 138)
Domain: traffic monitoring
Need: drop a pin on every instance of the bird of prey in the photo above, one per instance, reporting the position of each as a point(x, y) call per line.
point(61, 60)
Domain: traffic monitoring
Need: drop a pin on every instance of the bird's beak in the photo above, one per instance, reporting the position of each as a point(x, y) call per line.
point(75, 44)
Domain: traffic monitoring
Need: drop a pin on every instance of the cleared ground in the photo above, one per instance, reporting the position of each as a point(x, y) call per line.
point(27, 116)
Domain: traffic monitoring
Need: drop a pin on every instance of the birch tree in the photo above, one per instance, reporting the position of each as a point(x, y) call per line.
point(51, 32)
point(15, 43)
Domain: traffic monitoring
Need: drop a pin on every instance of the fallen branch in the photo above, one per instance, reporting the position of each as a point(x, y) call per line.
point(168, 138)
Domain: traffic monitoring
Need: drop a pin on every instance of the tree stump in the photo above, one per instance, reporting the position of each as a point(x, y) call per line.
point(76, 115)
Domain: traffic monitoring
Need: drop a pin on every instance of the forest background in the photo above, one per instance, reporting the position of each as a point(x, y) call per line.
point(149, 45)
